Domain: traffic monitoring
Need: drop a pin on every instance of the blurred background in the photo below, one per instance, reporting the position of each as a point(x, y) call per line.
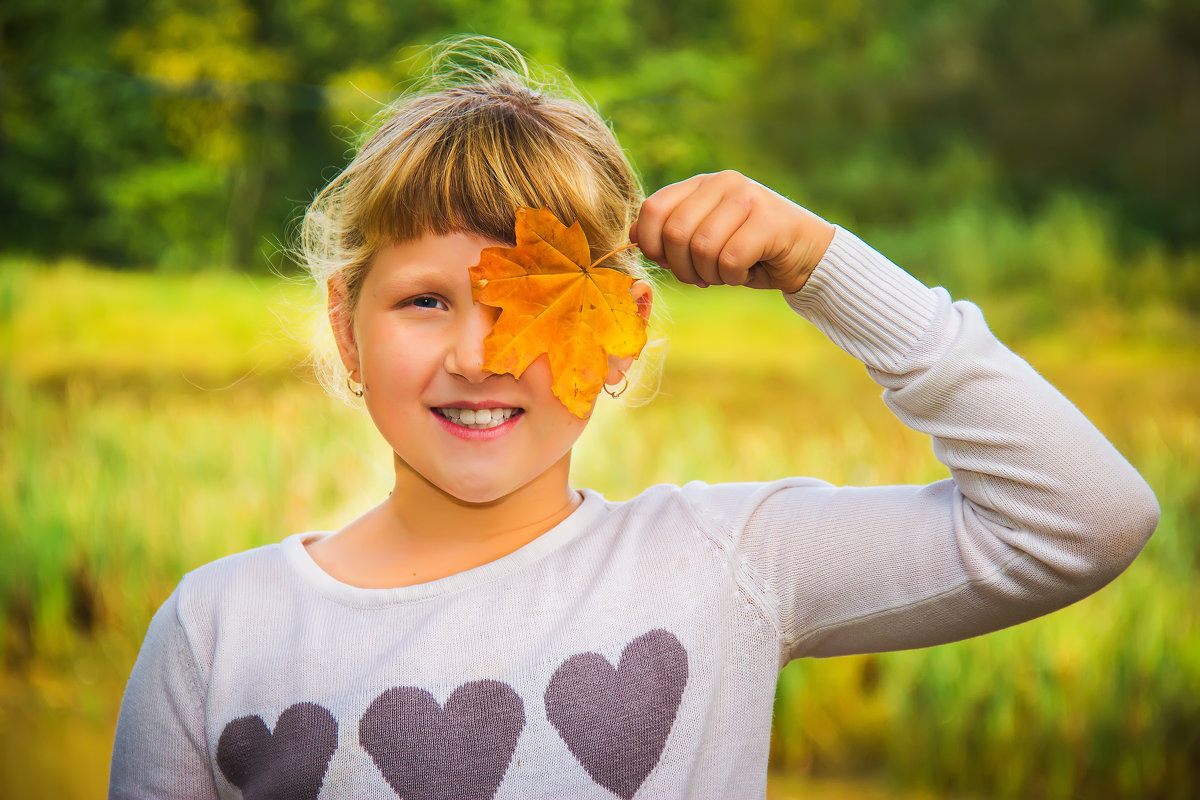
point(156, 412)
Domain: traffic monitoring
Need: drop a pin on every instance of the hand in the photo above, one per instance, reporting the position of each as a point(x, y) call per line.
point(724, 228)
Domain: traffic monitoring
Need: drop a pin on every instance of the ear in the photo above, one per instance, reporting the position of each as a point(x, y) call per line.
point(643, 295)
point(341, 320)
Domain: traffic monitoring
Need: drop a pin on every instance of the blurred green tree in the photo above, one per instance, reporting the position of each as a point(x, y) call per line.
point(183, 133)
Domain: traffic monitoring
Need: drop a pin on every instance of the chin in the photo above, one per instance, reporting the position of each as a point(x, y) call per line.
point(477, 494)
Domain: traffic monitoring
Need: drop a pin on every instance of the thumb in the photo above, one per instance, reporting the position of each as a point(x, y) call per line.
point(758, 278)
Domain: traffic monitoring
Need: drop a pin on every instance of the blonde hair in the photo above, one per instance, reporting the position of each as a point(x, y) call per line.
point(478, 137)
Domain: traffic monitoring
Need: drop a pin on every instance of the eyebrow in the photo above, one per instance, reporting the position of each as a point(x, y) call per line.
point(412, 273)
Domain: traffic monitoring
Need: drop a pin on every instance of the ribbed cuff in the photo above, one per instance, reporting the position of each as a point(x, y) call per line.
point(865, 304)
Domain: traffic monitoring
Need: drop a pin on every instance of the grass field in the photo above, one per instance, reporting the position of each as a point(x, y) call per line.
point(150, 423)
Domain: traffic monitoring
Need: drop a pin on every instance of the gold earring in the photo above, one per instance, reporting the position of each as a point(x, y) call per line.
point(618, 392)
point(356, 392)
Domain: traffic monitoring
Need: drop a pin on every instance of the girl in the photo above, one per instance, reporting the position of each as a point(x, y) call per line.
point(490, 631)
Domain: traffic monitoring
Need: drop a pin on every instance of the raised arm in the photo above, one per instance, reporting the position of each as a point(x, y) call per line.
point(1041, 509)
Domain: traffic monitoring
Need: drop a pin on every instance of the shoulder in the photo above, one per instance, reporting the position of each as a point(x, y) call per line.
point(721, 510)
point(261, 564)
point(231, 587)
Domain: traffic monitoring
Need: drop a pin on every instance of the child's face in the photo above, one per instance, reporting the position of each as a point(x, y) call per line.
point(416, 345)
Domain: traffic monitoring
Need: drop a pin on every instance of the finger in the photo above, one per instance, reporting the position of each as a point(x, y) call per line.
point(757, 277)
point(745, 252)
point(686, 255)
point(654, 212)
point(681, 265)
point(710, 238)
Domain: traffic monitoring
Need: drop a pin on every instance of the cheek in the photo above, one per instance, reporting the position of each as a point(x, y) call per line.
point(556, 421)
point(539, 380)
point(396, 363)
point(385, 378)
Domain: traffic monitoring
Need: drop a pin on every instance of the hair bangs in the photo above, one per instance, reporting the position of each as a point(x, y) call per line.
point(466, 168)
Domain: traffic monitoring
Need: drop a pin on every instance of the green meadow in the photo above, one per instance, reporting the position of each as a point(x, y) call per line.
point(152, 422)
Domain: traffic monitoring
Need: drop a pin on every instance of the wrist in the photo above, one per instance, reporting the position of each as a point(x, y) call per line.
point(816, 240)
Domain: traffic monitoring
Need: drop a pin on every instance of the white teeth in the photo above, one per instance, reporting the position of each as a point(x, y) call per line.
point(477, 418)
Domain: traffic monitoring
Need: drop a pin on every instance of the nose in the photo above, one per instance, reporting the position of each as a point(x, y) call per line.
point(464, 356)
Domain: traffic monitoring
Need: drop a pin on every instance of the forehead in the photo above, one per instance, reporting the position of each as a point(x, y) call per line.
point(432, 253)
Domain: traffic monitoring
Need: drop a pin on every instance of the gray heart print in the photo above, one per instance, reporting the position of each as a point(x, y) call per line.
point(288, 764)
point(616, 721)
point(460, 752)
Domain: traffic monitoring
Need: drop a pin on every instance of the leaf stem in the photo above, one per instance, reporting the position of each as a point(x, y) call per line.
point(620, 249)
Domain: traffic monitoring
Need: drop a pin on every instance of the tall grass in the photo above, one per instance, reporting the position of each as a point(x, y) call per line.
point(152, 423)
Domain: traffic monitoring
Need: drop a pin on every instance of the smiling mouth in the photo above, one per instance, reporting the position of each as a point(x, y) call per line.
point(479, 419)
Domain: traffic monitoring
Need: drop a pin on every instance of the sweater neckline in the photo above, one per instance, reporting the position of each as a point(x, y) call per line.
point(298, 560)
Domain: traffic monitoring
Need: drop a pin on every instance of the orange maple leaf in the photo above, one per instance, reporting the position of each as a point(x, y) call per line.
point(553, 301)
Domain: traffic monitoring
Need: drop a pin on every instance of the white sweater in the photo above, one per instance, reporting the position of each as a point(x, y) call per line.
point(634, 648)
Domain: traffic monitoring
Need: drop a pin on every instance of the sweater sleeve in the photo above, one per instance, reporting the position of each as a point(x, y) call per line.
point(1041, 509)
point(160, 750)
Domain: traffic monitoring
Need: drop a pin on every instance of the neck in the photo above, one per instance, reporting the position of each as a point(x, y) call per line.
point(421, 533)
point(423, 515)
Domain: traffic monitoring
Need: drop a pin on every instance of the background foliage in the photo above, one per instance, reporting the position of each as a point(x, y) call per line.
point(179, 133)
point(156, 413)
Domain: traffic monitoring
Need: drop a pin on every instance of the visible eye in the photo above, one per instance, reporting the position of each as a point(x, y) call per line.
point(426, 301)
